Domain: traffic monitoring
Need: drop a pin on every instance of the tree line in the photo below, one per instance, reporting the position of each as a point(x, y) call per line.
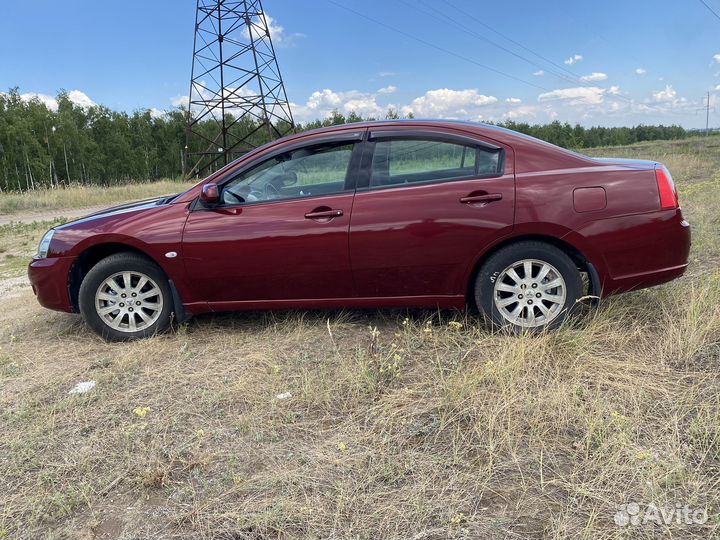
point(40, 147)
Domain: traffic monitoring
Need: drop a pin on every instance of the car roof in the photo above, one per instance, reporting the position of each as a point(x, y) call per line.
point(516, 140)
point(501, 134)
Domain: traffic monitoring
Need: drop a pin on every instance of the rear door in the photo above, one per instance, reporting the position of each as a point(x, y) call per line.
point(428, 204)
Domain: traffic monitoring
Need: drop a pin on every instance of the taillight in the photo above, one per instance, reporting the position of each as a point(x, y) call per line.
point(666, 187)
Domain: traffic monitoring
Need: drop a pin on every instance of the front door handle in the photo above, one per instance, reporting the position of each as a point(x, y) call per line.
point(323, 214)
point(487, 197)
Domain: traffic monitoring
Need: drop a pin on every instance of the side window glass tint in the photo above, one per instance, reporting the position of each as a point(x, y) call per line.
point(306, 172)
point(406, 161)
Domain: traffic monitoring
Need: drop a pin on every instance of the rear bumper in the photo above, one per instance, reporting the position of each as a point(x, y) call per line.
point(641, 250)
point(49, 280)
point(646, 279)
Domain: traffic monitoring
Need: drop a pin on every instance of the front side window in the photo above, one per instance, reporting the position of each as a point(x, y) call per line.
point(407, 161)
point(307, 172)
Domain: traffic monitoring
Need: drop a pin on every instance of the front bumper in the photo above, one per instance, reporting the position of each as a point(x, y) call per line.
point(49, 279)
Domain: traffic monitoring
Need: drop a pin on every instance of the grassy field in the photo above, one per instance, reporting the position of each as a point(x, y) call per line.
point(372, 424)
point(82, 196)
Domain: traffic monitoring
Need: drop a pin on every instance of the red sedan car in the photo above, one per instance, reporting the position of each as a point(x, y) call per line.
point(429, 214)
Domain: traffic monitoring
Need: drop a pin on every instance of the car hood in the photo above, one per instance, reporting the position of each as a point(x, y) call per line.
point(136, 206)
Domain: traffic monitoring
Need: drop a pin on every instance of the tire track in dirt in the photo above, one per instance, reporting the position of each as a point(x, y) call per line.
point(49, 215)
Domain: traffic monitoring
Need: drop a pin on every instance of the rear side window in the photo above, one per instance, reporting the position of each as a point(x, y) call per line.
point(407, 161)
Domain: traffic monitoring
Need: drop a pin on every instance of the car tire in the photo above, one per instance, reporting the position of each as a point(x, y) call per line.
point(126, 296)
point(509, 299)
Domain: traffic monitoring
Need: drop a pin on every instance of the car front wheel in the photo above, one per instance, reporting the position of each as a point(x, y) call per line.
point(528, 286)
point(126, 296)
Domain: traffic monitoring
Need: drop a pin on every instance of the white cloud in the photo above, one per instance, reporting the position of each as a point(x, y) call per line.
point(157, 113)
point(277, 32)
point(716, 58)
point(243, 99)
point(387, 90)
point(179, 101)
point(81, 99)
point(49, 101)
point(591, 95)
point(539, 73)
point(667, 99)
point(641, 71)
point(665, 96)
point(594, 77)
point(386, 74)
point(523, 112)
point(593, 104)
point(574, 59)
point(717, 87)
point(77, 97)
point(322, 103)
point(446, 103)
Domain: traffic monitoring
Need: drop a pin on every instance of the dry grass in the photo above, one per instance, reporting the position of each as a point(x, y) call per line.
point(689, 160)
point(85, 196)
point(18, 242)
point(400, 424)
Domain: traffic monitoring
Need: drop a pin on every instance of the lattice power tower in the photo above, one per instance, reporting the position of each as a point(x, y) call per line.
point(237, 94)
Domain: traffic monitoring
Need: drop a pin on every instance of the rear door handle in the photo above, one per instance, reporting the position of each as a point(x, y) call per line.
point(324, 214)
point(488, 197)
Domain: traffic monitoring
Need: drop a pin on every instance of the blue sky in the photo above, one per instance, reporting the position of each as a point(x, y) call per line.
point(622, 62)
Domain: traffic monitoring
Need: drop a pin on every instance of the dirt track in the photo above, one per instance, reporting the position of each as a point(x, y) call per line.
point(48, 215)
point(11, 287)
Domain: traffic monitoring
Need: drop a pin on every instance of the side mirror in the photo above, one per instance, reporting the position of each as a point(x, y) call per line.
point(210, 194)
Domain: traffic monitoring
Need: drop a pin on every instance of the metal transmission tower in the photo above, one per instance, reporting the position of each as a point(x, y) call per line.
point(237, 95)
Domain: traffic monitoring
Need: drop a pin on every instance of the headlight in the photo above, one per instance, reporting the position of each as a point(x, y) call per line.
point(44, 246)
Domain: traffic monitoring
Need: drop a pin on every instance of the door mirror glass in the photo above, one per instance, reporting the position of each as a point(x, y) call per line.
point(210, 194)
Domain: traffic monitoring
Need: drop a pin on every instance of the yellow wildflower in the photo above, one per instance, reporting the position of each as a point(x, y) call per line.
point(142, 412)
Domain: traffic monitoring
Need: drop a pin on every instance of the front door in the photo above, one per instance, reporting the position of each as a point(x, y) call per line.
point(432, 204)
point(281, 231)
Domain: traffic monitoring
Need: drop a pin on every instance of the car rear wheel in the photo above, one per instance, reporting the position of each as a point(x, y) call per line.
point(126, 296)
point(528, 286)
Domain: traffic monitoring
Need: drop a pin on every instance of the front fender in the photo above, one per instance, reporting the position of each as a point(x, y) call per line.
point(156, 232)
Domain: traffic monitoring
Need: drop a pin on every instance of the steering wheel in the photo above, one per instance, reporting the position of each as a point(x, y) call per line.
point(238, 198)
point(271, 190)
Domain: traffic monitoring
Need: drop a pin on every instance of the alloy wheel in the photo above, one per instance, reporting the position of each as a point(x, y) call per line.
point(129, 301)
point(530, 293)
